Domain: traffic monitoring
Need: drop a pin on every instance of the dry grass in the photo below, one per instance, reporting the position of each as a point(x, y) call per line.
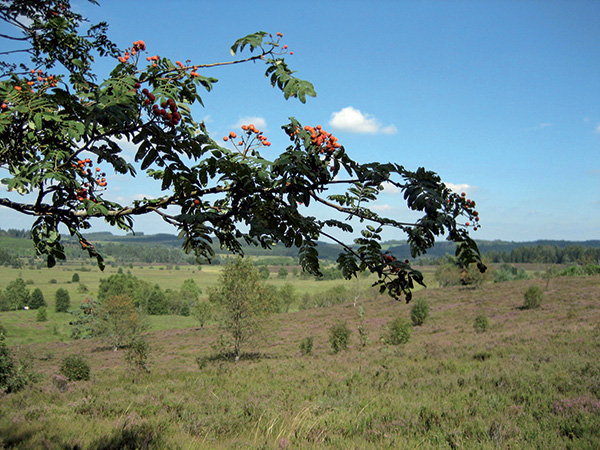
point(531, 381)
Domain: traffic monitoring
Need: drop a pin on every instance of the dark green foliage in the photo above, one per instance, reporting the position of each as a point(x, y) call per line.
point(62, 300)
point(16, 295)
point(507, 272)
point(533, 297)
point(398, 331)
point(42, 314)
point(419, 311)
point(306, 345)
point(481, 323)
point(264, 272)
point(75, 278)
point(157, 302)
point(339, 337)
point(75, 368)
point(37, 299)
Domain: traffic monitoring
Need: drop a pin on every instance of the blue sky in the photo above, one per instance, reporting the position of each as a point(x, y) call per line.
point(501, 98)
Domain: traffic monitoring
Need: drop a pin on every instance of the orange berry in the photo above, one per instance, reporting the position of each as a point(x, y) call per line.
point(232, 135)
point(196, 202)
point(4, 106)
point(18, 88)
point(225, 138)
point(97, 169)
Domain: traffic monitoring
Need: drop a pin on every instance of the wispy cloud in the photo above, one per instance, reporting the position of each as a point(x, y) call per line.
point(354, 121)
point(598, 128)
point(257, 121)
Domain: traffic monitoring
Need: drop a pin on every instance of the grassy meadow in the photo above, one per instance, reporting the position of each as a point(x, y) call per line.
point(532, 380)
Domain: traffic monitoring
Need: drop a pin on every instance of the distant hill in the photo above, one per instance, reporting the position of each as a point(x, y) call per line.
point(16, 241)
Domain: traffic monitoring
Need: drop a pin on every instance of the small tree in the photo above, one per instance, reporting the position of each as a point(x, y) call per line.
point(202, 312)
point(282, 273)
point(16, 294)
point(287, 296)
point(190, 290)
point(42, 314)
point(419, 312)
point(62, 300)
point(243, 302)
point(75, 278)
point(157, 303)
point(119, 320)
point(37, 299)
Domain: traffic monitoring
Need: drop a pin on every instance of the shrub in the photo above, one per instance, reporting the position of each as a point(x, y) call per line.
point(137, 355)
point(398, 332)
point(75, 368)
point(419, 312)
point(42, 314)
point(481, 323)
point(37, 299)
point(202, 312)
point(53, 281)
point(533, 297)
point(14, 375)
point(75, 278)
point(62, 300)
point(306, 345)
point(339, 335)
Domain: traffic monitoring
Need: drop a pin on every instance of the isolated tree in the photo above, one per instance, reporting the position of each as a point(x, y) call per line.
point(243, 302)
point(62, 300)
point(62, 134)
point(37, 299)
point(190, 290)
point(157, 302)
point(118, 320)
point(16, 295)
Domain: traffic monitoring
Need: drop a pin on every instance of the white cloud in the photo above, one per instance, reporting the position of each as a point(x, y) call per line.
point(382, 207)
point(389, 188)
point(352, 120)
point(460, 188)
point(598, 128)
point(257, 121)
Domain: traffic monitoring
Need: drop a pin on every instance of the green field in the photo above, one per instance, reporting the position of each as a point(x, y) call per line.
point(531, 381)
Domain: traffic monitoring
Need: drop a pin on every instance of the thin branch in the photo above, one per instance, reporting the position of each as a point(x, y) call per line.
point(355, 213)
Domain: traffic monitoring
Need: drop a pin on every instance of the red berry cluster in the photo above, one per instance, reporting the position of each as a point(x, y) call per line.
point(251, 139)
point(171, 117)
point(87, 189)
point(469, 206)
point(389, 259)
point(138, 46)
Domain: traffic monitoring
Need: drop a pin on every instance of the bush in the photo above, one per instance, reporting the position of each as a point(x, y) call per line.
point(42, 314)
point(419, 312)
point(75, 368)
point(14, 375)
point(306, 345)
point(37, 299)
point(75, 278)
point(339, 335)
point(137, 356)
point(62, 300)
point(398, 332)
point(533, 297)
point(481, 323)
